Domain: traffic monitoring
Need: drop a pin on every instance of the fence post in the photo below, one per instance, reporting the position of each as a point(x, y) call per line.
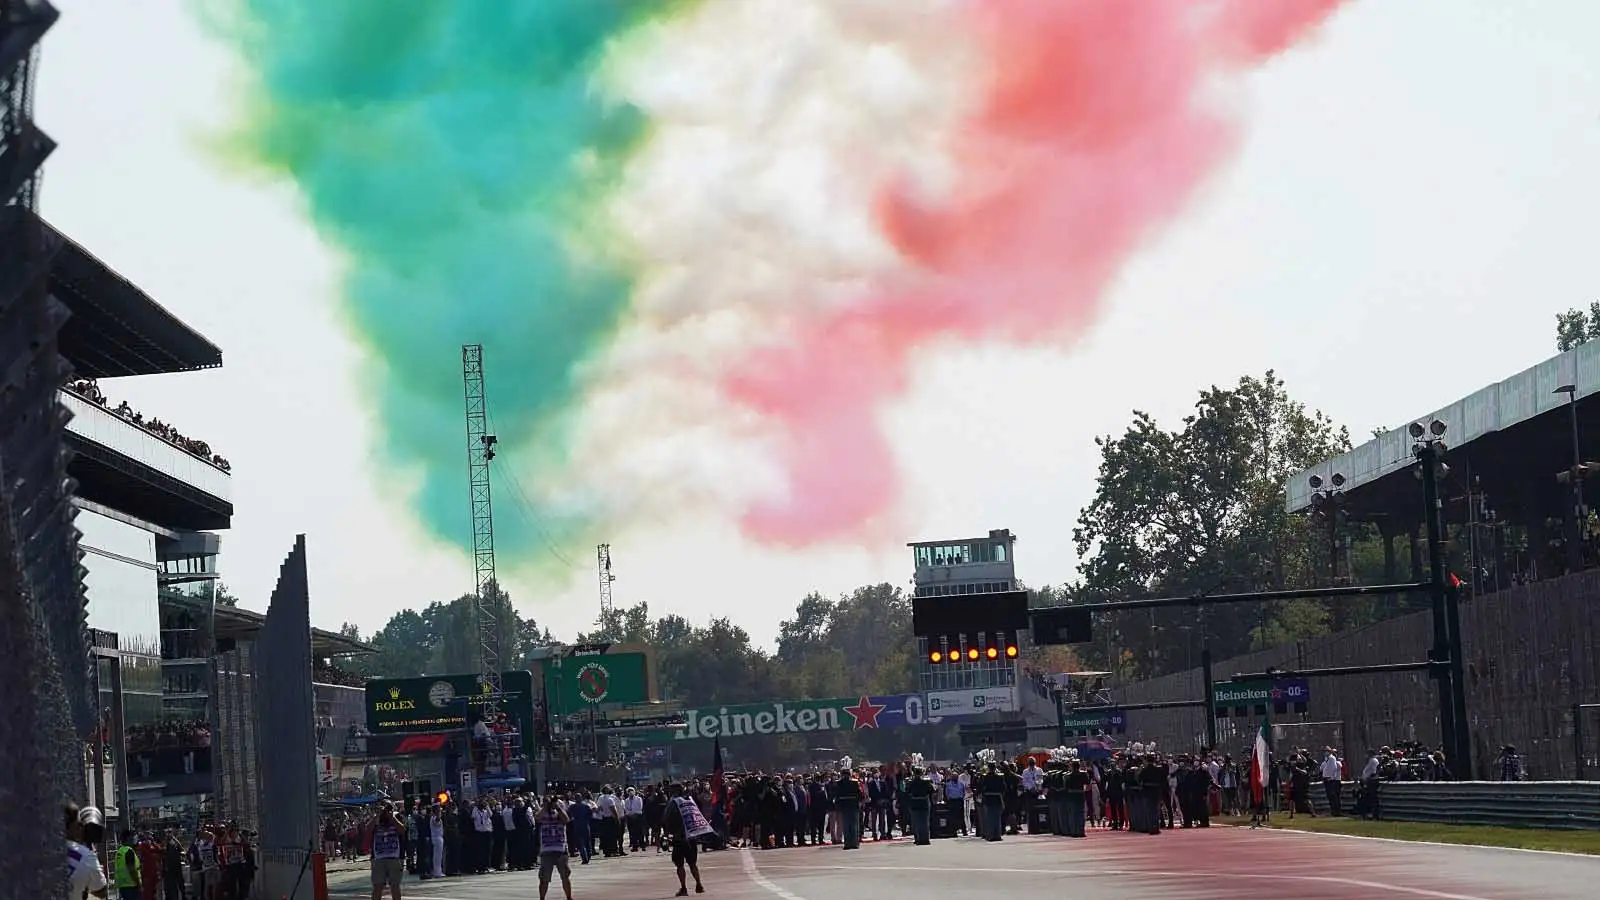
point(1577, 741)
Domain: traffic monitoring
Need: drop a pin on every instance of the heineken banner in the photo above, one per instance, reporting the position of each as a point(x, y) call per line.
point(1113, 721)
point(794, 717)
point(1253, 697)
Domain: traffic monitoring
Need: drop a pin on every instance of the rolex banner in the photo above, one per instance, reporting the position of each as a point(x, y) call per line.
point(443, 702)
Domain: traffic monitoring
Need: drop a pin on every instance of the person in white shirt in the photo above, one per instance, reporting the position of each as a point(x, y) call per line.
point(610, 823)
point(633, 818)
point(1032, 777)
point(436, 837)
point(85, 877)
point(1332, 782)
point(483, 837)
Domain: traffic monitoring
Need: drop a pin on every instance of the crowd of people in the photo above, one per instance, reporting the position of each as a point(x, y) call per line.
point(217, 863)
point(521, 831)
point(189, 734)
point(89, 390)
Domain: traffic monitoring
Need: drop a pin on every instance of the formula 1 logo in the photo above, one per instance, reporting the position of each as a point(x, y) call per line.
point(421, 743)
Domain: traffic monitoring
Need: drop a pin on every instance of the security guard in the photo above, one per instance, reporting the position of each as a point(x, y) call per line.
point(125, 868)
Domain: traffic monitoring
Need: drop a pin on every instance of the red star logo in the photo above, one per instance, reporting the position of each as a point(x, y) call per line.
point(865, 714)
point(1277, 693)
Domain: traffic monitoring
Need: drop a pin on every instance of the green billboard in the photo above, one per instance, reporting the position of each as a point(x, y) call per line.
point(582, 681)
point(442, 702)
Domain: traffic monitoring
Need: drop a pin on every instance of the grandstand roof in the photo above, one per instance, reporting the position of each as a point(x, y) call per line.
point(244, 624)
point(116, 328)
point(1514, 428)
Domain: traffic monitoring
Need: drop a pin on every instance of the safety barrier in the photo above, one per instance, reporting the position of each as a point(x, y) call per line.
point(1518, 804)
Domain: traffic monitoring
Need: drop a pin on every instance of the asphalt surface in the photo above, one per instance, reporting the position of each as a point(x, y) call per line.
point(1179, 865)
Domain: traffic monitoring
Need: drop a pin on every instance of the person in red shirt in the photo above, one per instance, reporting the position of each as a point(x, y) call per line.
point(151, 859)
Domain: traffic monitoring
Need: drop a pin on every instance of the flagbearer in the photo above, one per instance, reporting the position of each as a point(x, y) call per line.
point(919, 802)
point(1260, 777)
point(684, 826)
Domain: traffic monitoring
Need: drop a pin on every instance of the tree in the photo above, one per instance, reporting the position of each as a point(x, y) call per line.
point(443, 638)
point(224, 597)
point(1200, 510)
point(1577, 326)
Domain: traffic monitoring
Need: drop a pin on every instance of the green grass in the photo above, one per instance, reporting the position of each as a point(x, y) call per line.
point(1479, 835)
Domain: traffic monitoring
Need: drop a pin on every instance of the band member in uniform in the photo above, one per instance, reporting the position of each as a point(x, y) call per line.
point(993, 791)
point(1076, 789)
point(919, 805)
point(847, 803)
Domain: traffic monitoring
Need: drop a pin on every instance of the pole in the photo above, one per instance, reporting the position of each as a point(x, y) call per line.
point(1574, 552)
point(1211, 696)
point(1061, 717)
point(1577, 741)
point(1428, 456)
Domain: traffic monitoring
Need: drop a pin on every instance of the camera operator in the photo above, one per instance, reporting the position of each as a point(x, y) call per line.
point(552, 826)
point(84, 828)
point(388, 842)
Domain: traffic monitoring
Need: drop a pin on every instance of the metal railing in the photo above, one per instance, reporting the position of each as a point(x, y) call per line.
point(1513, 804)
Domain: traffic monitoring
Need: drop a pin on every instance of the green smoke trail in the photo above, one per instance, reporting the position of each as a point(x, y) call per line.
point(452, 149)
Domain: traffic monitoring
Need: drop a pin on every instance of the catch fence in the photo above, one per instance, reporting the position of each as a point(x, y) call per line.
point(1531, 656)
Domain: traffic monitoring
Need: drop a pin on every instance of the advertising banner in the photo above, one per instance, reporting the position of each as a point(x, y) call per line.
point(443, 702)
point(973, 702)
point(582, 682)
point(1264, 692)
point(794, 717)
point(1113, 721)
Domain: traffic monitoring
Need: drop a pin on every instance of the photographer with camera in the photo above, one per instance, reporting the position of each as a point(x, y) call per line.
point(388, 847)
point(552, 826)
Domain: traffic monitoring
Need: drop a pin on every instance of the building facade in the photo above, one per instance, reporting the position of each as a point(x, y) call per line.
point(966, 566)
point(150, 497)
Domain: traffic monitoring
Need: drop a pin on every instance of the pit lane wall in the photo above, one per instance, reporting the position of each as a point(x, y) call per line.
point(1531, 653)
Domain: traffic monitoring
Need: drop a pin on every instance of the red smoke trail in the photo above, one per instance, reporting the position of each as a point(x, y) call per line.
point(1091, 135)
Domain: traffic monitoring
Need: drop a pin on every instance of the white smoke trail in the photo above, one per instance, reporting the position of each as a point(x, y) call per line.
point(775, 125)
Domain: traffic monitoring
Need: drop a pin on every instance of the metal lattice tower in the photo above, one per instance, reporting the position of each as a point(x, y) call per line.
point(480, 452)
point(603, 554)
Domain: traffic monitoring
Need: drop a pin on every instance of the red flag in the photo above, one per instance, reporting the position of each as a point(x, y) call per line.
point(716, 772)
point(1455, 580)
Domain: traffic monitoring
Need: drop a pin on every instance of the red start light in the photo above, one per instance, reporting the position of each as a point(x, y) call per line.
point(1011, 651)
point(992, 653)
point(935, 656)
point(973, 653)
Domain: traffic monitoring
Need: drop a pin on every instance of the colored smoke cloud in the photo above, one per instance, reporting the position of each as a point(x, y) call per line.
point(1090, 135)
point(700, 241)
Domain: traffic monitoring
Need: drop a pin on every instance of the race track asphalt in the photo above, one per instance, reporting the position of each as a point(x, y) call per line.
point(1201, 864)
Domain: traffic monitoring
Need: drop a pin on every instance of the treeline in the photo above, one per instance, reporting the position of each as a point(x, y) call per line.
point(1194, 509)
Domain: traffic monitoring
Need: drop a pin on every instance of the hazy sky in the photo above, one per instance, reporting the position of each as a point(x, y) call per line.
point(1415, 200)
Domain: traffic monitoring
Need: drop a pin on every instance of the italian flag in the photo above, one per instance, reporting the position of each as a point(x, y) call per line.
point(1260, 767)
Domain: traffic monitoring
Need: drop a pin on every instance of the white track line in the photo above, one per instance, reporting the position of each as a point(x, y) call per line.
point(1128, 873)
point(748, 860)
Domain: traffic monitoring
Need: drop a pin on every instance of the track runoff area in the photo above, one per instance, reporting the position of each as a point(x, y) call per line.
point(1197, 864)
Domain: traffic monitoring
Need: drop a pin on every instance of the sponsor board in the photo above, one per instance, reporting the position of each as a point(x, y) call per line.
point(1251, 693)
point(973, 702)
point(794, 717)
point(582, 682)
point(443, 701)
